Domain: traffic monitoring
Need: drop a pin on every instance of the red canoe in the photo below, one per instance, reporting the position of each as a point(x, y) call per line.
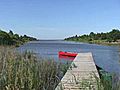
point(69, 54)
point(61, 57)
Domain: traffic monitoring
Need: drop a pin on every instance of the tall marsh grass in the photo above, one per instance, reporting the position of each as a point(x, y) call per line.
point(26, 72)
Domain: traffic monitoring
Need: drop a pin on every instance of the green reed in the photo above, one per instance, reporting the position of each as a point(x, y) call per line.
point(26, 72)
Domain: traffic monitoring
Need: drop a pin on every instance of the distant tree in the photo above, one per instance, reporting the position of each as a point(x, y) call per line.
point(13, 39)
point(111, 36)
point(16, 37)
point(11, 33)
point(114, 34)
point(76, 36)
point(103, 36)
point(92, 35)
point(5, 39)
point(97, 36)
point(25, 36)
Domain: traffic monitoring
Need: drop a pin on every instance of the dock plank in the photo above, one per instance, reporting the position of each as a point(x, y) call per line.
point(85, 69)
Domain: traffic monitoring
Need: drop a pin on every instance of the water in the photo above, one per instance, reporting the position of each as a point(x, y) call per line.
point(106, 57)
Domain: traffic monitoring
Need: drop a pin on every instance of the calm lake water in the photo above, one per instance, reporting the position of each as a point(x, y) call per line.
point(106, 57)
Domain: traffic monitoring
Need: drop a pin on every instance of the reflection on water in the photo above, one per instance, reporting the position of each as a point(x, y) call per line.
point(105, 56)
point(66, 58)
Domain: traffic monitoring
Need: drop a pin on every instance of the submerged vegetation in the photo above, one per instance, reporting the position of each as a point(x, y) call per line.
point(26, 72)
point(112, 37)
point(13, 39)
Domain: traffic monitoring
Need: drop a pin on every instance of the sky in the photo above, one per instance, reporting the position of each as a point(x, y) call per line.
point(58, 19)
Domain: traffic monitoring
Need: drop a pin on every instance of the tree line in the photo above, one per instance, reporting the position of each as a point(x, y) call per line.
point(112, 36)
point(9, 38)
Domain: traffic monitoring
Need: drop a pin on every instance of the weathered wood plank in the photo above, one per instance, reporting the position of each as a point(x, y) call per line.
point(84, 71)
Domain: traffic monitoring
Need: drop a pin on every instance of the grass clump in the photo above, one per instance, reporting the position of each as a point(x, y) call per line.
point(26, 72)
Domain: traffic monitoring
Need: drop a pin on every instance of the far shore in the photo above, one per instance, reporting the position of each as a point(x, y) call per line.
point(99, 43)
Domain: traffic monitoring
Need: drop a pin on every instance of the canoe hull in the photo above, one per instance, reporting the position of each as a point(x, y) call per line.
point(69, 54)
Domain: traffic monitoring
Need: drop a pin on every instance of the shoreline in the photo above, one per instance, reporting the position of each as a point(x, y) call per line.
point(99, 43)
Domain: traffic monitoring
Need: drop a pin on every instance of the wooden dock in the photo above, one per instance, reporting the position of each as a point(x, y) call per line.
point(82, 76)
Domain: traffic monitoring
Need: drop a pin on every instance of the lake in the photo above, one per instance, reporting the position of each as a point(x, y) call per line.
point(106, 57)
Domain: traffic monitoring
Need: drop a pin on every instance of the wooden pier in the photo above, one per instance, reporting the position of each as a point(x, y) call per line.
point(82, 75)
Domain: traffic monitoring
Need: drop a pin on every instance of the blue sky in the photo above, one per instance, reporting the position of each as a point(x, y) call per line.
point(57, 19)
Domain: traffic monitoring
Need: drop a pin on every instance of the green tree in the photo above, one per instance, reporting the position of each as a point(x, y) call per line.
point(114, 35)
point(92, 35)
point(5, 39)
point(11, 33)
point(16, 37)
